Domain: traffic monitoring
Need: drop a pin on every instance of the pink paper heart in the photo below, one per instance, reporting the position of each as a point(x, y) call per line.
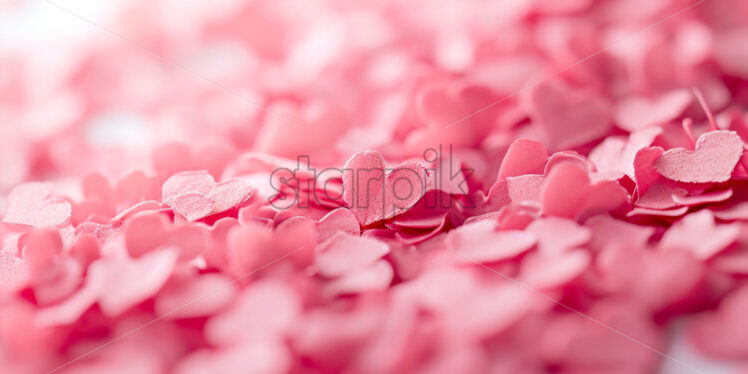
point(290, 130)
point(636, 113)
point(148, 231)
point(33, 204)
point(346, 254)
point(195, 195)
point(338, 220)
point(456, 115)
point(374, 193)
point(481, 242)
point(713, 160)
point(192, 296)
point(568, 118)
point(568, 192)
point(125, 283)
point(698, 234)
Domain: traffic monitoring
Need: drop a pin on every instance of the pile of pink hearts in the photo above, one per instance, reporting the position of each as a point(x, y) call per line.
point(456, 186)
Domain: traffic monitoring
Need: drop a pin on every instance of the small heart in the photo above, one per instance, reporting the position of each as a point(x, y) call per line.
point(568, 118)
point(195, 195)
point(459, 115)
point(125, 283)
point(346, 254)
point(568, 192)
point(192, 296)
point(290, 130)
point(33, 204)
point(338, 220)
point(636, 113)
point(374, 193)
point(713, 160)
point(480, 242)
point(148, 231)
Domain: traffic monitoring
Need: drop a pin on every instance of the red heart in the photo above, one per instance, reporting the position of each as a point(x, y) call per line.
point(374, 193)
point(713, 160)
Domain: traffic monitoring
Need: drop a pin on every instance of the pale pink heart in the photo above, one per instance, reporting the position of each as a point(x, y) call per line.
point(713, 160)
point(635, 113)
point(195, 195)
point(290, 130)
point(618, 155)
point(194, 296)
point(568, 118)
point(148, 231)
point(345, 254)
point(699, 234)
point(480, 242)
point(553, 270)
point(524, 156)
point(265, 310)
point(374, 277)
point(607, 230)
point(338, 220)
point(457, 115)
point(125, 283)
point(374, 193)
point(556, 235)
point(33, 204)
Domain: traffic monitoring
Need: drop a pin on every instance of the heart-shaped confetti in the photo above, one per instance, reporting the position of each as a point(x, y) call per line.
point(713, 160)
point(376, 187)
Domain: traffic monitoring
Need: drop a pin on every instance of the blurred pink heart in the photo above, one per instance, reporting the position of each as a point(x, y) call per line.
point(568, 118)
point(568, 192)
point(33, 204)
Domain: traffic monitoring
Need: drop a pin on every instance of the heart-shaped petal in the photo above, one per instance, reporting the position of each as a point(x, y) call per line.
point(713, 160)
point(374, 193)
